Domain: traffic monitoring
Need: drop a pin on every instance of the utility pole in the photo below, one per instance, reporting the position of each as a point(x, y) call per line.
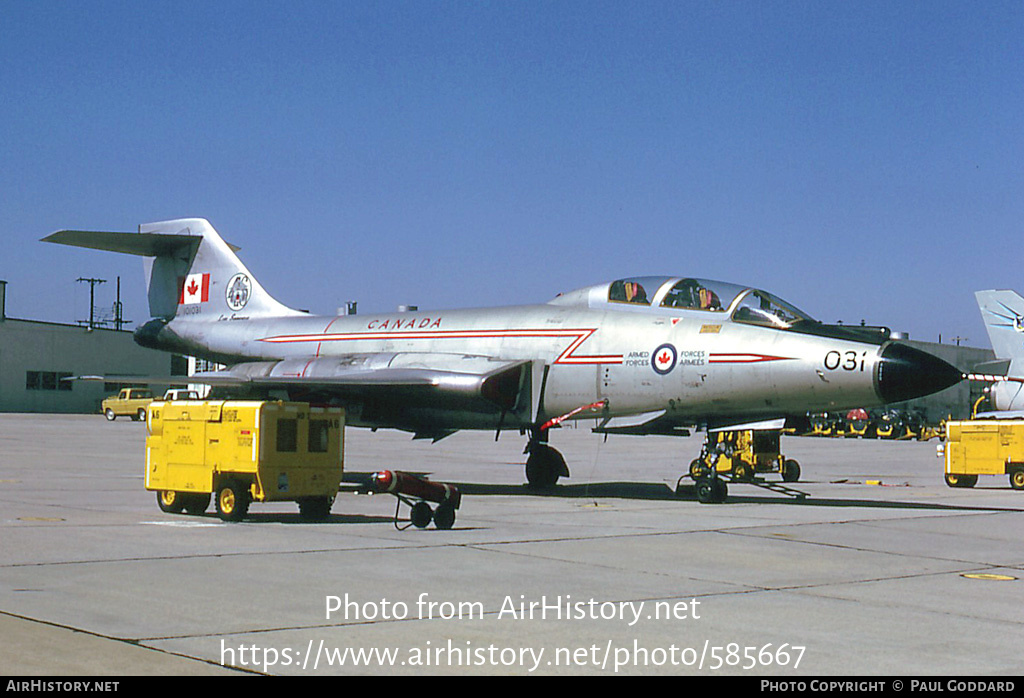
point(92, 298)
point(119, 320)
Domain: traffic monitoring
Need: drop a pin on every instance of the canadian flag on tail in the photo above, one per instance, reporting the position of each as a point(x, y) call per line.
point(195, 289)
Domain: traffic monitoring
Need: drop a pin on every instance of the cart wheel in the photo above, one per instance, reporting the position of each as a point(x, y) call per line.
point(196, 504)
point(232, 501)
point(698, 468)
point(109, 414)
point(444, 516)
point(1017, 479)
point(790, 471)
point(711, 490)
point(421, 515)
point(705, 491)
point(954, 480)
point(170, 502)
point(315, 508)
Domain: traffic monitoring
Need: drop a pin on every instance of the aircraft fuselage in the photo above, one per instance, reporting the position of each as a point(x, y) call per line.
point(695, 365)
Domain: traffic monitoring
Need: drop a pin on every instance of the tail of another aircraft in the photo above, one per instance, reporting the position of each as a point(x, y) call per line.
point(1003, 315)
point(190, 271)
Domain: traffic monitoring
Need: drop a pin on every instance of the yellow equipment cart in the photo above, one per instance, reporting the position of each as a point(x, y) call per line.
point(743, 454)
point(244, 451)
point(984, 447)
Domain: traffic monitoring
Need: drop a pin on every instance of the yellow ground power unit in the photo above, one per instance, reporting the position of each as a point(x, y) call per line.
point(984, 447)
point(244, 451)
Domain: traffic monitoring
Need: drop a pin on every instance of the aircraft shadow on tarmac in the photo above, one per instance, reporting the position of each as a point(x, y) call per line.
point(662, 492)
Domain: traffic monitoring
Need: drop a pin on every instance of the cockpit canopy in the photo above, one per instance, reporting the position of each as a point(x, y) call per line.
point(658, 294)
point(746, 305)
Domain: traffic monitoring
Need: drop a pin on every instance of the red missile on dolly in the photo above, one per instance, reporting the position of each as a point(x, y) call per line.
point(407, 487)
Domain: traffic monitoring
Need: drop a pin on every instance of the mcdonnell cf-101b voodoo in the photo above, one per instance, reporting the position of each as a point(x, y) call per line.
point(641, 355)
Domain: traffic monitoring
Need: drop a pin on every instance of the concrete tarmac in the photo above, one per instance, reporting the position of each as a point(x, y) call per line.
point(609, 573)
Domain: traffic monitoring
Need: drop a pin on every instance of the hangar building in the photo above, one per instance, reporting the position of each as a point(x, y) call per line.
point(35, 356)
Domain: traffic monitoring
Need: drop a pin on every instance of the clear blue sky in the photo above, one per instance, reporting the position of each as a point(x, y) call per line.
point(861, 160)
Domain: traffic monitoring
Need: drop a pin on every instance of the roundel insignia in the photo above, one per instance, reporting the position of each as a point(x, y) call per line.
point(239, 289)
point(664, 359)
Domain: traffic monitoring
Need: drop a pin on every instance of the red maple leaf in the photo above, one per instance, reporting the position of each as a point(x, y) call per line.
point(664, 358)
point(192, 288)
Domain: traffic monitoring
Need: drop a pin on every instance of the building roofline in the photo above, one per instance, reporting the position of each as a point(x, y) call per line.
point(62, 324)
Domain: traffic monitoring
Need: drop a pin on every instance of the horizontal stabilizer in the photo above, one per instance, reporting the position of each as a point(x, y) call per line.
point(999, 367)
point(141, 244)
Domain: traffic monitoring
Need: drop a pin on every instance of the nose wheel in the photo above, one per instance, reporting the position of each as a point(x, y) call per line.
point(544, 466)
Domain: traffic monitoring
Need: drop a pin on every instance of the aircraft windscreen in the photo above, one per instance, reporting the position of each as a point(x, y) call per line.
point(760, 308)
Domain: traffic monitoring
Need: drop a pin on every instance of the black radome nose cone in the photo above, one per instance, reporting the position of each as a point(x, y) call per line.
point(905, 373)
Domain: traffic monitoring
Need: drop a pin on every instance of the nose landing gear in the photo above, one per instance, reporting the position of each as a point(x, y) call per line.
point(545, 465)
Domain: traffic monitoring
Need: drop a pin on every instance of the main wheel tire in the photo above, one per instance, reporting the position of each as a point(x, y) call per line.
point(233, 501)
point(444, 516)
point(790, 471)
point(420, 515)
point(170, 502)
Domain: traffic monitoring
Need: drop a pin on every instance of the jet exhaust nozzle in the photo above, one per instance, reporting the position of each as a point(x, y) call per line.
point(905, 373)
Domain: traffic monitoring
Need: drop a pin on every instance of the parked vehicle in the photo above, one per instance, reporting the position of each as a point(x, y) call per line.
point(130, 402)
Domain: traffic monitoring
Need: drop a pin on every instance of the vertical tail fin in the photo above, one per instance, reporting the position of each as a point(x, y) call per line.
point(1003, 315)
point(215, 283)
point(190, 270)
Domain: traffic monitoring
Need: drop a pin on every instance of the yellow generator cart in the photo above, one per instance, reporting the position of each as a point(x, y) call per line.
point(984, 447)
point(743, 454)
point(244, 451)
